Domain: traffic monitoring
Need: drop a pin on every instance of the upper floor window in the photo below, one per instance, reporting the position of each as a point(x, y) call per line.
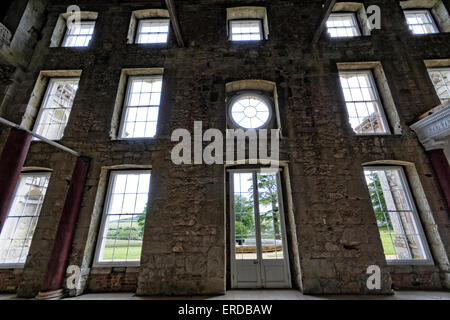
point(250, 111)
point(141, 107)
point(17, 232)
point(56, 107)
point(420, 21)
point(153, 31)
point(441, 81)
point(364, 107)
point(397, 219)
point(122, 229)
point(246, 30)
point(79, 35)
point(343, 25)
point(247, 24)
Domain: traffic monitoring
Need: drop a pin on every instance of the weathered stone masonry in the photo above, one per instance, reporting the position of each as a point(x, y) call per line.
point(185, 248)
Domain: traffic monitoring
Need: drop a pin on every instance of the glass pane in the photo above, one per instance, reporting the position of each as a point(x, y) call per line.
point(396, 219)
point(250, 30)
point(124, 225)
point(269, 214)
point(79, 35)
point(342, 25)
point(19, 227)
point(244, 214)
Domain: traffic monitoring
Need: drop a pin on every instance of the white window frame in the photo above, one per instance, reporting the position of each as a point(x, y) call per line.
point(45, 101)
point(415, 214)
point(139, 27)
point(429, 15)
point(25, 174)
point(440, 69)
point(259, 96)
point(355, 24)
point(125, 105)
point(374, 85)
point(230, 29)
point(107, 202)
point(67, 34)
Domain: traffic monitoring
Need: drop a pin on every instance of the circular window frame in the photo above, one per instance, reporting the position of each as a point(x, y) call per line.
point(257, 94)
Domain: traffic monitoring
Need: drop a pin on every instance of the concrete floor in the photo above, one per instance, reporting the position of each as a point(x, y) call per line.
point(265, 295)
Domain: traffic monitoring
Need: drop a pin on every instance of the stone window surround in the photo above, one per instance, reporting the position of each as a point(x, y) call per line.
point(427, 221)
point(144, 14)
point(360, 13)
point(248, 13)
point(34, 104)
point(384, 91)
point(121, 95)
point(267, 89)
point(61, 26)
point(436, 63)
point(437, 10)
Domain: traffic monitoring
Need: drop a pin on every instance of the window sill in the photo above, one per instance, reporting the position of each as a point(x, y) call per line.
point(410, 263)
point(12, 267)
point(111, 266)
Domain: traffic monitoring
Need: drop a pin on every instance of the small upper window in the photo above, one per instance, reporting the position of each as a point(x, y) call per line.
point(153, 31)
point(364, 106)
point(246, 30)
point(250, 111)
point(441, 81)
point(79, 35)
point(420, 21)
point(343, 25)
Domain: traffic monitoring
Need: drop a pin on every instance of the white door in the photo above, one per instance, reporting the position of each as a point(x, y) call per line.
point(259, 256)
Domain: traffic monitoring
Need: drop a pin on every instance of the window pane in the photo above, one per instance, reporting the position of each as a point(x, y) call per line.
point(248, 30)
point(441, 82)
point(18, 230)
point(56, 108)
point(342, 25)
point(142, 107)
point(363, 106)
point(420, 21)
point(79, 35)
point(250, 112)
point(153, 31)
point(395, 214)
point(126, 205)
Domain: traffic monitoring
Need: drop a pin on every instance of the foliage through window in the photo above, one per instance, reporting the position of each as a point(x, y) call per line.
point(397, 218)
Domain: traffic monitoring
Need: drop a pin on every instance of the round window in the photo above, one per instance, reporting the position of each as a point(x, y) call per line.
point(250, 111)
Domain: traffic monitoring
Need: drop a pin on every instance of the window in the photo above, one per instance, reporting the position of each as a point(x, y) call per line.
point(141, 108)
point(246, 30)
point(441, 81)
point(55, 110)
point(122, 230)
point(153, 31)
point(397, 219)
point(420, 21)
point(364, 106)
point(79, 35)
point(18, 230)
point(342, 25)
point(250, 111)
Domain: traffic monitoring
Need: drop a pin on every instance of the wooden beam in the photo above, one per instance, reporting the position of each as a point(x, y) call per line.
point(328, 7)
point(174, 19)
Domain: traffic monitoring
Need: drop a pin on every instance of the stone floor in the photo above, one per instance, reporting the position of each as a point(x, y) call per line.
point(266, 295)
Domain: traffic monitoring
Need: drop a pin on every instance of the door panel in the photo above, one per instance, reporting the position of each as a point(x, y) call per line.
point(258, 245)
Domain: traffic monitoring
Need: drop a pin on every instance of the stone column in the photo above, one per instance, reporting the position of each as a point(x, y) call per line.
point(56, 269)
point(12, 160)
point(442, 169)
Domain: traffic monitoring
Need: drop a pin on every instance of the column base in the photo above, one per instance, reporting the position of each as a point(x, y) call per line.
point(50, 295)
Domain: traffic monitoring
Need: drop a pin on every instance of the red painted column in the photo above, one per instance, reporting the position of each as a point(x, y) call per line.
point(12, 160)
point(440, 165)
point(56, 269)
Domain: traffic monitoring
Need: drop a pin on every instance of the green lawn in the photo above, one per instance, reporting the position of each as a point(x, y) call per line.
point(120, 253)
point(387, 243)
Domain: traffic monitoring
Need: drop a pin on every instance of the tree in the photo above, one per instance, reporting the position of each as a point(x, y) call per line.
point(378, 201)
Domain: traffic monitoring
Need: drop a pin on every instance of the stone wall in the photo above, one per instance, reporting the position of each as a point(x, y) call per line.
point(185, 250)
